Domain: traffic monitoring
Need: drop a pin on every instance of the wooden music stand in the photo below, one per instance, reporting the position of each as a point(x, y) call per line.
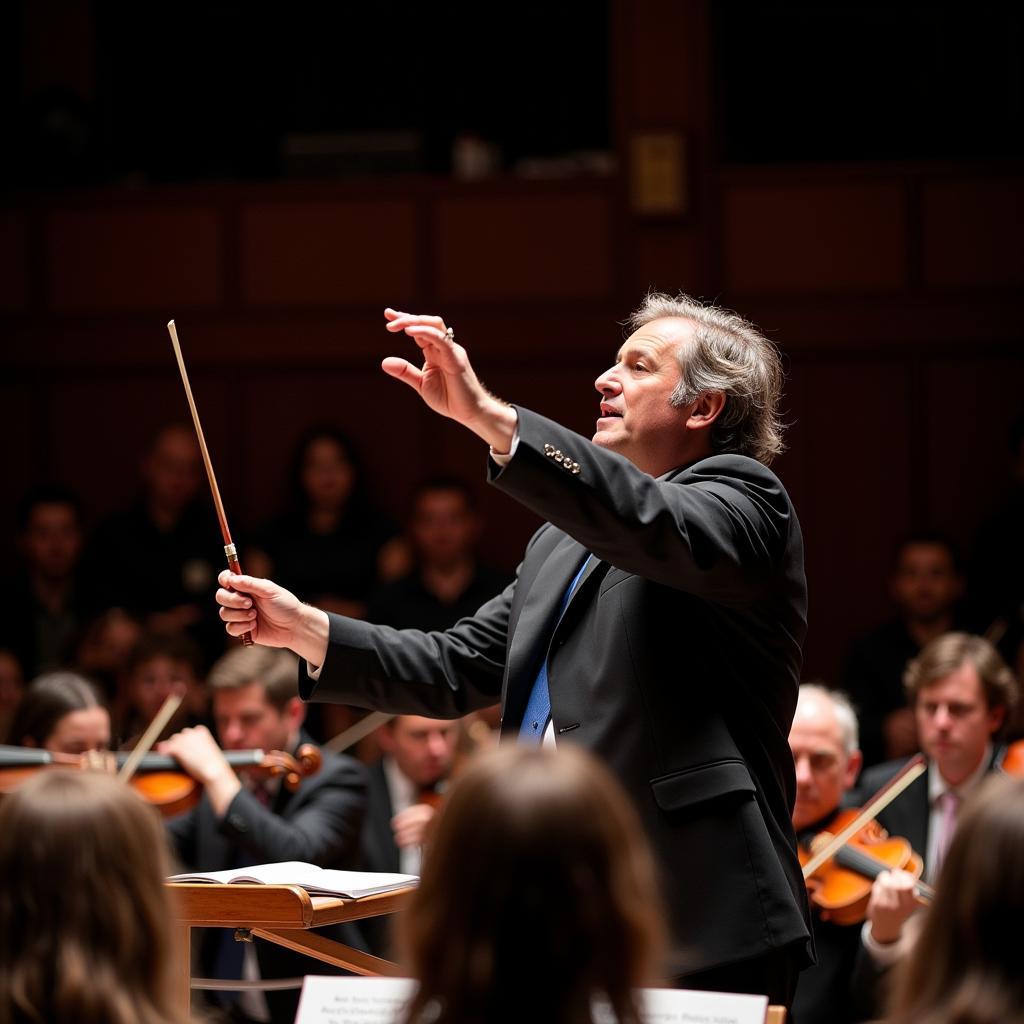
point(279, 913)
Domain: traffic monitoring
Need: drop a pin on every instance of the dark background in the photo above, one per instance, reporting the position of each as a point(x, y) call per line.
point(272, 175)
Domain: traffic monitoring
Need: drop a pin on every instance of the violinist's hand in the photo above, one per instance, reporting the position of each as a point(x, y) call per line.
point(891, 903)
point(274, 616)
point(197, 752)
point(412, 826)
point(447, 382)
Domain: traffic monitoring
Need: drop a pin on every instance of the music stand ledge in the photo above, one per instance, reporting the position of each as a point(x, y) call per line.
point(283, 914)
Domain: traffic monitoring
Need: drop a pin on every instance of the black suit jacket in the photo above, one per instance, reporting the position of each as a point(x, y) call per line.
point(677, 661)
point(319, 823)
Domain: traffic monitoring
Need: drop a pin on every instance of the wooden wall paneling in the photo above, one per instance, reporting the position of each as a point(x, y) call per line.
point(124, 259)
point(858, 441)
point(834, 237)
point(971, 401)
point(19, 455)
point(496, 248)
point(328, 253)
point(973, 232)
point(14, 261)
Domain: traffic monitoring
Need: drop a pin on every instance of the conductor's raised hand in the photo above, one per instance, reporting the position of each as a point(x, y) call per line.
point(446, 380)
point(274, 616)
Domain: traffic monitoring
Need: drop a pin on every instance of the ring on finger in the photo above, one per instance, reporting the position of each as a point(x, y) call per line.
point(450, 334)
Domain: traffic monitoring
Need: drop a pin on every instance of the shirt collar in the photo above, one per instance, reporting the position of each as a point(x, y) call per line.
point(402, 789)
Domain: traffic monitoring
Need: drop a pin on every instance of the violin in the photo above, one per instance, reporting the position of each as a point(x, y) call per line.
point(841, 886)
point(158, 778)
point(1013, 760)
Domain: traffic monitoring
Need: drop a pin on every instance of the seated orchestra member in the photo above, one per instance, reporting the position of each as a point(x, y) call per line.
point(823, 739)
point(84, 919)
point(537, 896)
point(61, 712)
point(965, 964)
point(404, 787)
point(963, 694)
point(256, 821)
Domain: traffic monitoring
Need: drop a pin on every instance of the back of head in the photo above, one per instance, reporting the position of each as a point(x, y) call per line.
point(965, 965)
point(730, 355)
point(84, 922)
point(538, 870)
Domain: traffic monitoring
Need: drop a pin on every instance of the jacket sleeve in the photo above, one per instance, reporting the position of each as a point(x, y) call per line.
point(409, 672)
point(324, 830)
point(717, 530)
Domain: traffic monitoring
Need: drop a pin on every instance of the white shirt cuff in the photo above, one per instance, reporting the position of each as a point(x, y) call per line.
point(885, 954)
point(503, 458)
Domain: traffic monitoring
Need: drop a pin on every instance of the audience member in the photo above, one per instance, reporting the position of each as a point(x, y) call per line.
point(404, 786)
point(925, 585)
point(237, 823)
point(961, 694)
point(61, 712)
point(448, 582)
point(172, 530)
point(965, 965)
point(12, 688)
point(162, 664)
point(105, 650)
point(823, 739)
point(329, 542)
point(44, 608)
point(84, 920)
point(538, 895)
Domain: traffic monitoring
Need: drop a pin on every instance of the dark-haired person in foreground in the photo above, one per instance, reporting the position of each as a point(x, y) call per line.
point(656, 619)
point(544, 890)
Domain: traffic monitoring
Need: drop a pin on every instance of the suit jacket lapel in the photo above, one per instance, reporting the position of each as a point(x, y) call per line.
point(536, 624)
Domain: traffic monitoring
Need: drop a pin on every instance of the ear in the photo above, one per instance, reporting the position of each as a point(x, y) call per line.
point(996, 717)
point(853, 766)
point(295, 712)
point(705, 410)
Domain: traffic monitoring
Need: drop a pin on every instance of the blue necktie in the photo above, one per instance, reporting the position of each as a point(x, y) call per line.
point(538, 707)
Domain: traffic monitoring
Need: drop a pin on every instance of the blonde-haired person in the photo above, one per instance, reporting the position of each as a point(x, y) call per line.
point(537, 896)
point(965, 967)
point(84, 919)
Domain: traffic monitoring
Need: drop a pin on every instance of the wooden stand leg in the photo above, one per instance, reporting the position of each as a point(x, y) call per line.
point(182, 938)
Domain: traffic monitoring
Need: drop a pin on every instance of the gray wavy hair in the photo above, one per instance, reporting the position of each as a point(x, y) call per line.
point(730, 355)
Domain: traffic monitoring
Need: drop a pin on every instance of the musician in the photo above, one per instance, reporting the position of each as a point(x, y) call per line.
point(238, 823)
point(827, 758)
point(61, 712)
point(962, 694)
point(679, 560)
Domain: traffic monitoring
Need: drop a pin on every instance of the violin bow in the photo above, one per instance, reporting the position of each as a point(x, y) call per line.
point(150, 736)
point(910, 772)
point(229, 547)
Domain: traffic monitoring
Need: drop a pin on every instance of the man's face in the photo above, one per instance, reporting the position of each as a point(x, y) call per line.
point(172, 469)
point(925, 584)
point(246, 720)
point(637, 419)
point(824, 771)
point(423, 748)
point(954, 722)
point(52, 540)
point(155, 679)
point(444, 528)
point(79, 731)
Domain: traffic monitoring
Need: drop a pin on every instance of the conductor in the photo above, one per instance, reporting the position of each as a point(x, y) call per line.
point(656, 618)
